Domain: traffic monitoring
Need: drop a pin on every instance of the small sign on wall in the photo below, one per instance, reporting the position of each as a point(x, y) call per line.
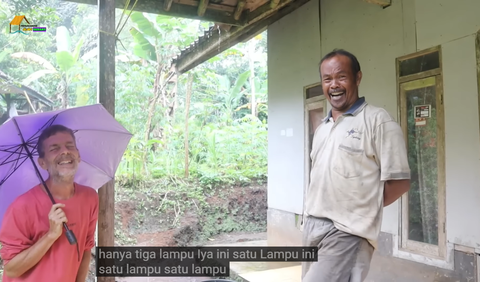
point(422, 111)
point(420, 121)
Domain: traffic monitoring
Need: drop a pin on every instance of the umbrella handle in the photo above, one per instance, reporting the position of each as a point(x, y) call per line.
point(70, 236)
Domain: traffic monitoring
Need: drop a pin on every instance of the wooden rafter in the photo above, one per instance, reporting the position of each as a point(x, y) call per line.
point(382, 3)
point(274, 3)
point(175, 10)
point(202, 7)
point(214, 42)
point(265, 11)
point(239, 9)
point(212, 6)
point(167, 5)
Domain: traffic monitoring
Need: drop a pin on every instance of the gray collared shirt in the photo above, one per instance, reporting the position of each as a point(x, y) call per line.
point(351, 160)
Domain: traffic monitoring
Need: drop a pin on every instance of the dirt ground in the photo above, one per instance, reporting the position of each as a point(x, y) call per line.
point(234, 215)
point(221, 239)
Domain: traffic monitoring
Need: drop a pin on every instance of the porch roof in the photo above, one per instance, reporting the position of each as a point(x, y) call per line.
point(221, 12)
point(234, 21)
point(216, 40)
point(9, 86)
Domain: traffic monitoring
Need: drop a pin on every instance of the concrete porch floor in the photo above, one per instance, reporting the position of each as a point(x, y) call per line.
point(382, 269)
point(263, 271)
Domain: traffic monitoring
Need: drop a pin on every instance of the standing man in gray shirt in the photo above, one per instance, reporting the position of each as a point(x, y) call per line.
point(359, 166)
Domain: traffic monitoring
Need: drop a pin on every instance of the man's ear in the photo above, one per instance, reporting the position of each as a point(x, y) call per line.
point(359, 77)
point(41, 163)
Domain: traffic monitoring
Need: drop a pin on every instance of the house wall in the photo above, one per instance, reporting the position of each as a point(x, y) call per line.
point(292, 64)
point(377, 36)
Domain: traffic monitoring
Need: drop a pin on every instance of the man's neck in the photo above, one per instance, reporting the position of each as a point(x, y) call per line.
point(61, 188)
point(336, 114)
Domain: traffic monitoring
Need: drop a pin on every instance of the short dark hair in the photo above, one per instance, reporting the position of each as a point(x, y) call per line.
point(353, 60)
point(48, 132)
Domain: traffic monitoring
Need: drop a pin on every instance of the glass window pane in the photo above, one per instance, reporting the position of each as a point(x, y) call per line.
point(421, 63)
point(314, 91)
point(315, 117)
point(422, 157)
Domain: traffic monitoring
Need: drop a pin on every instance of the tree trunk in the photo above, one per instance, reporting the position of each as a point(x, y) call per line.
point(187, 112)
point(62, 92)
point(251, 52)
point(65, 94)
point(151, 112)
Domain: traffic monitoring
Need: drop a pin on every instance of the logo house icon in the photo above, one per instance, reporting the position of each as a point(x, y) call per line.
point(18, 21)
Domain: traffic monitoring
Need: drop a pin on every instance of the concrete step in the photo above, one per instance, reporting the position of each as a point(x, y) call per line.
point(284, 274)
point(263, 271)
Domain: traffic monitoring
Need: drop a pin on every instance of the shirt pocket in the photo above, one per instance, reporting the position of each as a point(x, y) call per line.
point(348, 161)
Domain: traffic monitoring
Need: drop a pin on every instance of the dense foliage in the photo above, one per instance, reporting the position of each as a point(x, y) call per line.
point(227, 141)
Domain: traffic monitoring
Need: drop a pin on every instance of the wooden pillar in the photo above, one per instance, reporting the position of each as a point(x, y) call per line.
point(106, 96)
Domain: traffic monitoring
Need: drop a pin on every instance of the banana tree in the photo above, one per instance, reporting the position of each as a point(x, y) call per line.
point(157, 39)
point(256, 89)
point(66, 59)
point(233, 94)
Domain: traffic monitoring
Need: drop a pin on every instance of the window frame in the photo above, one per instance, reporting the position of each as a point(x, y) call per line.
point(439, 251)
point(313, 103)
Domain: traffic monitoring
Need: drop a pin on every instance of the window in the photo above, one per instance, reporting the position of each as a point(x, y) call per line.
point(419, 79)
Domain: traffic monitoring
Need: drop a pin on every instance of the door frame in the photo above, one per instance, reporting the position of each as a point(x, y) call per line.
point(313, 103)
point(446, 259)
point(435, 251)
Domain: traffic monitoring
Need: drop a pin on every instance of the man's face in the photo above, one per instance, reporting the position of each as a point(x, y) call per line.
point(61, 155)
point(339, 83)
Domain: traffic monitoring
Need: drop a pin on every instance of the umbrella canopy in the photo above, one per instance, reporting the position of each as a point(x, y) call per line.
point(100, 139)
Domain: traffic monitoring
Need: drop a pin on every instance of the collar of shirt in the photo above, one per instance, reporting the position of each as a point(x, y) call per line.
point(353, 110)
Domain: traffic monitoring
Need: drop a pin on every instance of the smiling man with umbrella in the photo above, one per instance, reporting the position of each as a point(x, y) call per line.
point(77, 149)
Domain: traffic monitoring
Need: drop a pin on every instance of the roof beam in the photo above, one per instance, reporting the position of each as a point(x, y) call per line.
point(167, 5)
point(207, 47)
point(175, 10)
point(202, 7)
point(239, 9)
point(382, 3)
point(265, 11)
point(230, 9)
point(274, 3)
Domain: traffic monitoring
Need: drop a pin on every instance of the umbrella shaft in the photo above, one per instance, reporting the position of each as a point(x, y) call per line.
point(70, 236)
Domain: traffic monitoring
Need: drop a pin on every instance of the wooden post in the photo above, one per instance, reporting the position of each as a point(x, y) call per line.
point(106, 96)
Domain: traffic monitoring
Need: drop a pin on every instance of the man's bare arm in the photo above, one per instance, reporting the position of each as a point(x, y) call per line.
point(28, 258)
point(394, 189)
point(25, 260)
point(84, 266)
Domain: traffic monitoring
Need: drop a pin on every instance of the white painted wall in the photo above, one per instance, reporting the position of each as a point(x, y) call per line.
point(442, 21)
point(377, 36)
point(294, 53)
point(457, 39)
point(462, 141)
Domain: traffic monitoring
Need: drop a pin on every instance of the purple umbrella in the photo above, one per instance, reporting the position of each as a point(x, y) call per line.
point(101, 141)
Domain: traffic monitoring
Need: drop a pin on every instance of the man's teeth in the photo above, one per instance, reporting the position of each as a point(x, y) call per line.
point(336, 93)
point(65, 162)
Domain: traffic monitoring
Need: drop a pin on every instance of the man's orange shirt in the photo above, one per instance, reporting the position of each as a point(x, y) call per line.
point(26, 221)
